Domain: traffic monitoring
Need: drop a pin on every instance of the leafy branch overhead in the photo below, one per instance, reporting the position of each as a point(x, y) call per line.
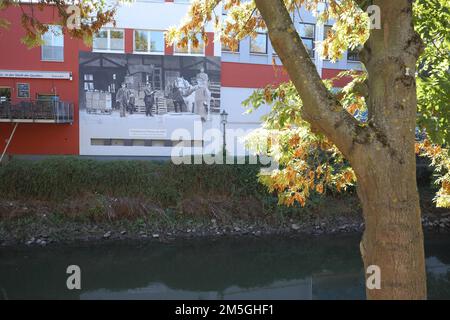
point(93, 15)
point(303, 149)
point(299, 129)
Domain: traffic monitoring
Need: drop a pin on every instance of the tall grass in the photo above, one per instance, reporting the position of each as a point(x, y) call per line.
point(163, 182)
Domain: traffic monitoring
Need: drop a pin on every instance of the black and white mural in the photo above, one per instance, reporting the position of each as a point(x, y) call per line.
point(126, 97)
point(147, 85)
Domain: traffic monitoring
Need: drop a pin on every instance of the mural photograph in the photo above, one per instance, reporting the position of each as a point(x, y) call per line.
point(122, 94)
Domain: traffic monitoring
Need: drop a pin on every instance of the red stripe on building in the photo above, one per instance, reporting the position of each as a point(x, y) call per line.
point(332, 73)
point(243, 75)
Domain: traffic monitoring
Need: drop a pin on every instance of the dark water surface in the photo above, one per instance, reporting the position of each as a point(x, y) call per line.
point(244, 268)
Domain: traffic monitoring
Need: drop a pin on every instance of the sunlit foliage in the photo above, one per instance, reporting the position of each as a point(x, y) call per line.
point(308, 161)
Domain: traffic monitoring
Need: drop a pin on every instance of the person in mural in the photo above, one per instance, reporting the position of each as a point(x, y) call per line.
point(131, 103)
point(181, 88)
point(202, 94)
point(149, 99)
point(202, 78)
point(122, 97)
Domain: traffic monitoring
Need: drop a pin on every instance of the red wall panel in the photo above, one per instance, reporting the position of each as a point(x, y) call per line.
point(209, 49)
point(243, 75)
point(168, 49)
point(39, 138)
point(129, 39)
point(332, 73)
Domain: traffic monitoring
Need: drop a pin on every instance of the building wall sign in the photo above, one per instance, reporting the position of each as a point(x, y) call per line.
point(35, 74)
point(23, 90)
point(148, 133)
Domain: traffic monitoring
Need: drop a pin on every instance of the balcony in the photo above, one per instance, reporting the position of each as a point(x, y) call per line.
point(38, 111)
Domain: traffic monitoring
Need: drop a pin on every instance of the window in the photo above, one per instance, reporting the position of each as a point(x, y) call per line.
point(326, 31)
point(200, 50)
point(307, 32)
point(109, 40)
point(5, 94)
point(226, 48)
point(53, 44)
point(353, 54)
point(89, 82)
point(258, 45)
point(149, 41)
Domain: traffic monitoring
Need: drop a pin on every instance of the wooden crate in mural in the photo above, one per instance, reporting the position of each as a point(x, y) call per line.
point(98, 102)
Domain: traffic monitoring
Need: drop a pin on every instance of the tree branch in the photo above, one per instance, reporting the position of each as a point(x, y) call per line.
point(363, 4)
point(320, 108)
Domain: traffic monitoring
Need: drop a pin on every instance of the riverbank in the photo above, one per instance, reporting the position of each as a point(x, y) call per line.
point(45, 224)
point(69, 200)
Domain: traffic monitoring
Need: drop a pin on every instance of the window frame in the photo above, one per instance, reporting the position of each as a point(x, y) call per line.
point(313, 39)
point(325, 26)
point(189, 48)
point(53, 37)
point(108, 41)
point(267, 44)
point(237, 51)
point(353, 52)
point(149, 32)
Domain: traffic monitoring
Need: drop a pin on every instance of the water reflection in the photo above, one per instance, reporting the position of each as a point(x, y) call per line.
point(273, 268)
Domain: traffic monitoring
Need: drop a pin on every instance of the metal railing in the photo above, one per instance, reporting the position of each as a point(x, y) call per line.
point(47, 111)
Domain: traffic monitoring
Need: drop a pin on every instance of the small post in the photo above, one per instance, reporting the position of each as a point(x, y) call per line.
point(224, 120)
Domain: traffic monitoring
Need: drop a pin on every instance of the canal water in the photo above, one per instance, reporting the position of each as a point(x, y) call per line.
point(243, 268)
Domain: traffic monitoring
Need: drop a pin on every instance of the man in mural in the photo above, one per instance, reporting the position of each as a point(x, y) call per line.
point(122, 97)
point(149, 99)
point(202, 94)
point(131, 103)
point(181, 88)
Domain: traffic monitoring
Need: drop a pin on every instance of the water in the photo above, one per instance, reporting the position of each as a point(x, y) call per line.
point(246, 268)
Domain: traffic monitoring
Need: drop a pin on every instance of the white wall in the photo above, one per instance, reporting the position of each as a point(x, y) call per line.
point(165, 127)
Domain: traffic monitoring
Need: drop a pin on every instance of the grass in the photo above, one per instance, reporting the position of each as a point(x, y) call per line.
point(152, 192)
point(165, 183)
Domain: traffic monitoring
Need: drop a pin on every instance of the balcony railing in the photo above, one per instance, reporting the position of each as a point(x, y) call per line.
point(39, 111)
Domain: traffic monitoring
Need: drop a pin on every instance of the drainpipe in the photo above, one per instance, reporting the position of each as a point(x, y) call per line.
point(9, 141)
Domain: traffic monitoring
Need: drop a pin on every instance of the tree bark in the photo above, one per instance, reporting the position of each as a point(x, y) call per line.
point(386, 172)
point(382, 153)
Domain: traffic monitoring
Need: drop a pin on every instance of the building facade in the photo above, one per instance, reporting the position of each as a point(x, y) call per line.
point(131, 94)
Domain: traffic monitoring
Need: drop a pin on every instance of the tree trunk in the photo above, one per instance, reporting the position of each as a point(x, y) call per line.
point(385, 169)
point(393, 238)
point(382, 153)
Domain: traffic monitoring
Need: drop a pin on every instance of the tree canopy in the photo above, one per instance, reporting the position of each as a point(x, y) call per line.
point(309, 161)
